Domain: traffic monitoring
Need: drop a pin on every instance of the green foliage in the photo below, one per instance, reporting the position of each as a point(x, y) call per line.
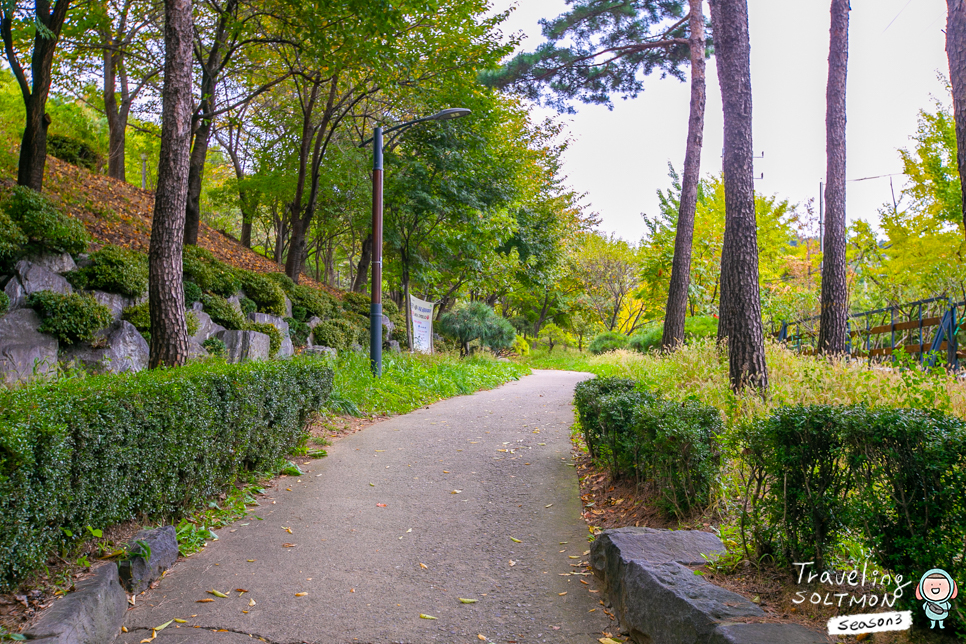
point(283, 281)
point(274, 335)
point(71, 318)
point(215, 347)
point(247, 306)
point(140, 317)
point(104, 450)
point(12, 240)
point(358, 303)
point(338, 334)
point(300, 313)
point(648, 338)
point(4, 302)
point(521, 346)
point(211, 275)
point(44, 226)
point(222, 312)
point(299, 332)
point(587, 399)
point(72, 151)
point(315, 302)
point(114, 270)
point(477, 322)
point(265, 292)
point(192, 293)
point(607, 341)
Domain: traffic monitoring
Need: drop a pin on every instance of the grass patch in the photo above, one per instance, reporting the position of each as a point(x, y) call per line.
point(411, 381)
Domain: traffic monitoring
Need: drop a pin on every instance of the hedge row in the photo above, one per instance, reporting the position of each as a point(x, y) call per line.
point(638, 434)
point(102, 450)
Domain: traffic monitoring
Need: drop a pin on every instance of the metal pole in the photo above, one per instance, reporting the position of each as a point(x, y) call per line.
point(375, 307)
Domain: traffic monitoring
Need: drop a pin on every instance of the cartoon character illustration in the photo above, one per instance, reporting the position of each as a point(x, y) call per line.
point(937, 589)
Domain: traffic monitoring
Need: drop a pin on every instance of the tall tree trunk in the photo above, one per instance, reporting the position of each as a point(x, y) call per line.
point(833, 329)
point(33, 146)
point(196, 174)
point(740, 310)
point(169, 333)
point(362, 271)
point(956, 52)
point(677, 295)
point(296, 250)
point(116, 115)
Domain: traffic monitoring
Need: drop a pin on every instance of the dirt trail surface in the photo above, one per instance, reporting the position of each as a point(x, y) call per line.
point(459, 481)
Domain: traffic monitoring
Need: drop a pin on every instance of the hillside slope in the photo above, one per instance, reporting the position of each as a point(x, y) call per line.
point(116, 212)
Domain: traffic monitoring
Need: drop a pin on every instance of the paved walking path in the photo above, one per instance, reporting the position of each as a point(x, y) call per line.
point(458, 480)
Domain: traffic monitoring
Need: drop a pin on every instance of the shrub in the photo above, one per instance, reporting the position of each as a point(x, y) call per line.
point(71, 318)
point(215, 347)
point(247, 306)
point(103, 450)
point(587, 399)
point(607, 341)
point(274, 335)
point(299, 332)
point(43, 225)
point(521, 346)
point(201, 267)
point(114, 270)
point(4, 302)
point(389, 308)
point(140, 317)
point(702, 326)
point(358, 303)
point(282, 280)
point(222, 312)
point(72, 151)
point(315, 302)
point(477, 321)
point(265, 292)
point(12, 240)
point(192, 293)
point(300, 313)
point(646, 339)
point(339, 334)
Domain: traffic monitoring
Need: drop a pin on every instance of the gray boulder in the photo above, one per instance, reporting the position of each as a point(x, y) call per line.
point(116, 349)
point(394, 346)
point(314, 321)
point(195, 350)
point(319, 350)
point(288, 307)
point(197, 307)
point(235, 301)
point(388, 325)
point(35, 277)
point(137, 573)
point(206, 328)
point(15, 292)
point(287, 350)
point(659, 546)
point(54, 262)
point(265, 318)
point(245, 345)
point(93, 612)
point(25, 353)
point(116, 303)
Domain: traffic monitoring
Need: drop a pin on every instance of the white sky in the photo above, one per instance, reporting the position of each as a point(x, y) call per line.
point(620, 157)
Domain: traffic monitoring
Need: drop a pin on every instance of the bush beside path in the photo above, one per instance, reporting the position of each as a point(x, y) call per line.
point(473, 498)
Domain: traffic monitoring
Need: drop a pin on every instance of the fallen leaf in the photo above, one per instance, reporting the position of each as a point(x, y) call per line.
point(445, 472)
point(425, 616)
point(204, 601)
point(481, 637)
point(251, 561)
point(548, 505)
point(573, 557)
point(163, 626)
point(584, 582)
point(423, 566)
point(456, 492)
point(289, 530)
point(124, 629)
point(514, 540)
point(372, 485)
point(289, 489)
point(217, 593)
point(563, 593)
point(380, 505)
point(466, 601)
point(179, 621)
point(512, 563)
point(288, 545)
point(408, 531)
point(241, 591)
point(301, 594)
point(607, 640)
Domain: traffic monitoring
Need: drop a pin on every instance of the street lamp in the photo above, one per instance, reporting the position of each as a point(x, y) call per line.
point(375, 307)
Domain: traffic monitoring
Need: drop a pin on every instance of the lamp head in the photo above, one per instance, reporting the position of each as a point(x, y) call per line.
point(449, 114)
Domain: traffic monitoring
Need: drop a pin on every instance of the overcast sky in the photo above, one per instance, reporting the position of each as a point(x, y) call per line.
point(620, 157)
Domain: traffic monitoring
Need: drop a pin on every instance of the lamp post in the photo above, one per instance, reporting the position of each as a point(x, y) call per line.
point(375, 306)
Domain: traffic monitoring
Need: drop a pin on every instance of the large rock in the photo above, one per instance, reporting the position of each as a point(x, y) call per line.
point(660, 601)
point(206, 328)
point(35, 277)
point(15, 293)
point(195, 350)
point(25, 353)
point(319, 350)
point(92, 614)
point(54, 262)
point(313, 322)
point(287, 350)
point(265, 318)
point(116, 303)
point(137, 573)
point(288, 307)
point(116, 349)
point(388, 325)
point(235, 302)
point(245, 345)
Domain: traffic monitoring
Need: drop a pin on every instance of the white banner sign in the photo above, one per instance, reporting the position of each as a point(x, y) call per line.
point(421, 314)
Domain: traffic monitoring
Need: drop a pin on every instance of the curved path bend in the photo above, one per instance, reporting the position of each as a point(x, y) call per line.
point(459, 481)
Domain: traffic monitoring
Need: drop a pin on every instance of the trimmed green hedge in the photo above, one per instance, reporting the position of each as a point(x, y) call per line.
point(103, 450)
point(264, 291)
point(114, 270)
point(607, 341)
point(36, 225)
point(71, 318)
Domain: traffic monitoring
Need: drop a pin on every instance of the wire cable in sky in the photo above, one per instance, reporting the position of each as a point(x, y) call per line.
point(897, 16)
